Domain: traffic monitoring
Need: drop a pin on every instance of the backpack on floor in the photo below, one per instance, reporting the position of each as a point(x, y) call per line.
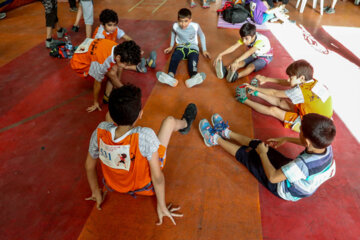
point(234, 13)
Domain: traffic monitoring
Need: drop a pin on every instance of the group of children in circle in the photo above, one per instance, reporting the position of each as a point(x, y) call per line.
point(132, 157)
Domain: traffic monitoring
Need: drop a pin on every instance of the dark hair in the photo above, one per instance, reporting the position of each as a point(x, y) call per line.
point(300, 68)
point(129, 52)
point(108, 15)
point(184, 13)
point(125, 104)
point(320, 130)
point(247, 29)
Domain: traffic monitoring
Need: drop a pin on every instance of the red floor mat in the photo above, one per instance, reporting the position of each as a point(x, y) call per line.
point(44, 135)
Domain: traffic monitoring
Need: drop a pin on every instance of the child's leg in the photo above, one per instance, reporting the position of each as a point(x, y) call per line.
point(271, 111)
point(176, 57)
point(193, 59)
point(109, 88)
point(279, 102)
point(170, 124)
point(78, 16)
point(88, 14)
point(248, 69)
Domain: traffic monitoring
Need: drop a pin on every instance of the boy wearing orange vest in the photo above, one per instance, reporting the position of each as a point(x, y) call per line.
point(132, 157)
point(99, 59)
point(306, 95)
point(109, 29)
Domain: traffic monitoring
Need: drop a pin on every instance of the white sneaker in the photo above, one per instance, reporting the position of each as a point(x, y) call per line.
point(195, 80)
point(166, 79)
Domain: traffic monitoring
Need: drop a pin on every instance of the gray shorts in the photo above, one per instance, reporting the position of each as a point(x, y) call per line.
point(259, 62)
point(88, 11)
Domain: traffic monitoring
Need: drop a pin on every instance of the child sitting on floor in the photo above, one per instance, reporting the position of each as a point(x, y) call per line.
point(109, 29)
point(289, 179)
point(306, 95)
point(184, 33)
point(258, 55)
point(260, 12)
point(132, 157)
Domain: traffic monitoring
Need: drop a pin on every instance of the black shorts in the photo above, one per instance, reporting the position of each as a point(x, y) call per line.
point(50, 12)
point(248, 156)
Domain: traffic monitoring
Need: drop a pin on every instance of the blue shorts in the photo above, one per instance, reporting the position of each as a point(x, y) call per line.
point(259, 62)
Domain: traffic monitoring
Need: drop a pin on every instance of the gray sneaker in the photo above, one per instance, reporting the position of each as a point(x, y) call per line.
point(53, 43)
point(195, 80)
point(330, 11)
point(220, 70)
point(166, 79)
point(2, 15)
point(61, 33)
point(231, 76)
point(141, 67)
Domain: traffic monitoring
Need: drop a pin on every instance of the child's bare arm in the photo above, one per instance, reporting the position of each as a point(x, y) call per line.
point(246, 54)
point(227, 51)
point(279, 81)
point(277, 142)
point(268, 91)
point(96, 193)
point(96, 91)
point(127, 37)
point(158, 180)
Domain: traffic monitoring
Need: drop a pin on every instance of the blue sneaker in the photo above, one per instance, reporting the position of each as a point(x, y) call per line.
point(208, 133)
point(141, 67)
point(220, 126)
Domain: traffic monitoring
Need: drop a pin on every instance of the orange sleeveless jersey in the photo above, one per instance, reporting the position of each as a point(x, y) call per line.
point(309, 97)
point(124, 166)
point(94, 57)
point(101, 33)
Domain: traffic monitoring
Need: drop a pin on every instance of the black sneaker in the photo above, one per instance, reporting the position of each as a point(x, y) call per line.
point(189, 115)
point(75, 28)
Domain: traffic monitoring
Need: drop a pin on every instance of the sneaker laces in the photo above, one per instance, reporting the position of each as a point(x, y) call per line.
point(221, 126)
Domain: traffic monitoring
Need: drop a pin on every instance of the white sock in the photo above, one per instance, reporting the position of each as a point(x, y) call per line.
point(227, 133)
point(216, 137)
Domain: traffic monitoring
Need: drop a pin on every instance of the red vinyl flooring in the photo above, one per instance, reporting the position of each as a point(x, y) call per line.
point(45, 131)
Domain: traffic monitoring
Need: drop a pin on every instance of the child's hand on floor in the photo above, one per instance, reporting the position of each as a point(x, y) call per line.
point(168, 50)
point(276, 142)
point(94, 107)
point(98, 197)
point(168, 212)
point(207, 54)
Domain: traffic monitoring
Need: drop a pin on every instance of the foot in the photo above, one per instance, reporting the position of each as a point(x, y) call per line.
point(254, 82)
point(208, 133)
point(53, 43)
point(285, 11)
point(206, 5)
point(2, 15)
point(166, 79)
point(75, 28)
point(189, 115)
point(141, 67)
point(192, 4)
point(220, 69)
point(231, 76)
point(240, 93)
point(221, 127)
point(61, 32)
point(151, 61)
point(330, 11)
point(195, 80)
point(73, 9)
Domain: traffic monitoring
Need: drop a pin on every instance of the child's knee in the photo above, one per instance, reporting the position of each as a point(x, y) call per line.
point(169, 121)
point(251, 67)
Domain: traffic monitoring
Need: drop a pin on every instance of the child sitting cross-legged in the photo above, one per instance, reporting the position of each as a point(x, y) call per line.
point(109, 29)
point(132, 157)
point(184, 33)
point(258, 55)
point(289, 179)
